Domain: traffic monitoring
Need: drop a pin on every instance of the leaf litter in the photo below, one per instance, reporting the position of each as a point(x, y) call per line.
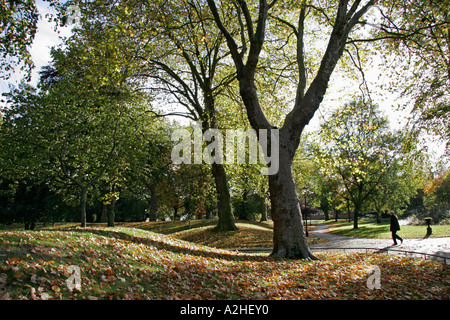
point(132, 264)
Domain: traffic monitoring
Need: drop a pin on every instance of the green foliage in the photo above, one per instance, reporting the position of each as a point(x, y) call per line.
point(247, 207)
point(18, 25)
point(437, 197)
point(416, 38)
point(362, 162)
point(79, 129)
point(438, 190)
point(30, 202)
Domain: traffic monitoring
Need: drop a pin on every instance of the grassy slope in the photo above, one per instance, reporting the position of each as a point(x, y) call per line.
point(129, 263)
point(251, 234)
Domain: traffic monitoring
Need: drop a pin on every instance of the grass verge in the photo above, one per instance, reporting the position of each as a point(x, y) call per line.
point(381, 230)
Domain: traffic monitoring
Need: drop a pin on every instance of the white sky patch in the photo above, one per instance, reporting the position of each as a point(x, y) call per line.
point(46, 37)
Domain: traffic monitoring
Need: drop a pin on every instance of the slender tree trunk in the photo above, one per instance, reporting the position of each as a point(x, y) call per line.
point(153, 214)
point(355, 218)
point(83, 206)
point(112, 209)
point(226, 219)
point(263, 208)
point(324, 205)
point(326, 215)
point(104, 217)
point(112, 213)
point(288, 235)
point(175, 213)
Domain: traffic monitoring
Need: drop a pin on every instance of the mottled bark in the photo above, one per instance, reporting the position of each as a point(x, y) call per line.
point(288, 237)
point(226, 219)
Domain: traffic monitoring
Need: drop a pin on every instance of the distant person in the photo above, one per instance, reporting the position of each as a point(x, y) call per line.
point(395, 226)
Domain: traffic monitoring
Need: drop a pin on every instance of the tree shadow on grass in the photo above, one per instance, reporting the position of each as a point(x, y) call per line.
point(380, 232)
point(245, 237)
point(163, 245)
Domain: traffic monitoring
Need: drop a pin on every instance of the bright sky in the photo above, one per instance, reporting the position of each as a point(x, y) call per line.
point(45, 38)
point(339, 92)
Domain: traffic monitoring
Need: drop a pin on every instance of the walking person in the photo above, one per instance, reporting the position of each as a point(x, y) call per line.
point(395, 226)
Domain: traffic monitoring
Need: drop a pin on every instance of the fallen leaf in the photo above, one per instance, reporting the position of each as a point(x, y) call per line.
point(4, 295)
point(33, 294)
point(56, 288)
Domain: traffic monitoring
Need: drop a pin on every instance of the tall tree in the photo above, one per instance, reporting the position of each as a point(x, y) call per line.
point(78, 127)
point(365, 159)
point(180, 58)
point(251, 23)
point(437, 193)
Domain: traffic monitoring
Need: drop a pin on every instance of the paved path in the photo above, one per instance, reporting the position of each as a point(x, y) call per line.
point(429, 246)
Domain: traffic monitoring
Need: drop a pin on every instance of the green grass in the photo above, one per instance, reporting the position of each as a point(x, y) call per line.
point(381, 230)
point(131, 263)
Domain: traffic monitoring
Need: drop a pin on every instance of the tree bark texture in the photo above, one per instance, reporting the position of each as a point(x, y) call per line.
point(226, 219)
point(288, 236)
point(83, 200)
point(153, 210)
point(104, 213)
point(263, 208)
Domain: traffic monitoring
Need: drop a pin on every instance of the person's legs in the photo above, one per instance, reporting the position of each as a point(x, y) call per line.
point(395, 236)
point(399, 238)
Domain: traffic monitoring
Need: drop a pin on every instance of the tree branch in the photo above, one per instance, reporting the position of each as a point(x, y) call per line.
point(301, 56)
point(229, 38)
point(248, 18)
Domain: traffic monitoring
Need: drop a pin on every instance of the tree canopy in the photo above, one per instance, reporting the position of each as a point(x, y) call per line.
point(93, 130)
point(364, 162)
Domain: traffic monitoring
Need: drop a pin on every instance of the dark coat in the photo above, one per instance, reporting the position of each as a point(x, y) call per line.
point(395, 226)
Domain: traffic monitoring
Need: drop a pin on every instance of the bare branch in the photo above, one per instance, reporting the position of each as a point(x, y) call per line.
point(248, 18)
point(301, 56)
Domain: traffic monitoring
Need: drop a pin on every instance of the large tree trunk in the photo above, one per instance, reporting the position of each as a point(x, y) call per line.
point(226, 219)
point(288, 235)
